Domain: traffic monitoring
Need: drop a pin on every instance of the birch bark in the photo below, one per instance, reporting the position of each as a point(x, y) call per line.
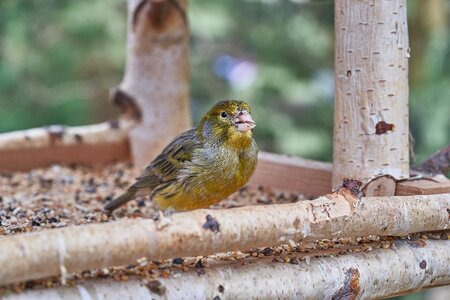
point(201, 232)
point(405, 268)
point(371, 107)
point(156, 75)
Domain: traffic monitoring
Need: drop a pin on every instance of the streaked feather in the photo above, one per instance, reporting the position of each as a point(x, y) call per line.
point(200, 166)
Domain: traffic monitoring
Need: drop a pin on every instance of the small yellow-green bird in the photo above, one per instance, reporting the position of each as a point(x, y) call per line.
point(201, 166)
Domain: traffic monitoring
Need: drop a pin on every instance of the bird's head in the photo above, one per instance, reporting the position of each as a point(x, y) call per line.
point(228, 122)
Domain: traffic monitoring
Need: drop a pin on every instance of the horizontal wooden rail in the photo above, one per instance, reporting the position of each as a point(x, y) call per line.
point(411, 266)
point(285, 173)
point(108, 142)
point(40, 147)
point(202, 232)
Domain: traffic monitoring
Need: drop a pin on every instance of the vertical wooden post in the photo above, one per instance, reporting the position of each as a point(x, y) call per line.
point(155, 87)
point(371, 108)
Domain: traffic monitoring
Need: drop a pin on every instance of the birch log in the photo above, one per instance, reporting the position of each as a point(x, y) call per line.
point(201, 232)
point(371, 108)
point(292, 174)
point(38, 147)
point(408, 266)
point(156, 74)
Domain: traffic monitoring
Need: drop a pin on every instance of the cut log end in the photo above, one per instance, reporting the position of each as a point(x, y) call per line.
point(380, 186)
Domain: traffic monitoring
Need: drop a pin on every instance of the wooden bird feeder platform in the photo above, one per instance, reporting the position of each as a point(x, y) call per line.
point(385, 238)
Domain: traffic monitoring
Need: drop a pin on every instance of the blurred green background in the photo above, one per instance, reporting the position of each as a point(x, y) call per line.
point(58, 59)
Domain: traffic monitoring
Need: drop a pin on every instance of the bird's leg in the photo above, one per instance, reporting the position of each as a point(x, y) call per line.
point(167, 212)
point(163, 218)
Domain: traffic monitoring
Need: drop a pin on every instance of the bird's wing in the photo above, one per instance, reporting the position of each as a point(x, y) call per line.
point(165, 167)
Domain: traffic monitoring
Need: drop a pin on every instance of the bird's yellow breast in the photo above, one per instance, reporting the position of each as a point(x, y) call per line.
point(211, 176)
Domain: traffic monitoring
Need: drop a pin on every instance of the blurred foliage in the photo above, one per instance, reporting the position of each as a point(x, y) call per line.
point(58, 58)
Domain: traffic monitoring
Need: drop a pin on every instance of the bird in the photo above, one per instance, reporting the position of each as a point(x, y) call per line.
point(201, 166)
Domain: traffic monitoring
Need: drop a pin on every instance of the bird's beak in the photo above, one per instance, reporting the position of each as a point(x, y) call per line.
point(243, 121)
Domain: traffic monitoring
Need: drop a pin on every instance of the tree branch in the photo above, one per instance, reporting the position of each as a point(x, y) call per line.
point(202, 232)
point(371, 109)
point(407, 267)
point(38, 147)
point(156, 77)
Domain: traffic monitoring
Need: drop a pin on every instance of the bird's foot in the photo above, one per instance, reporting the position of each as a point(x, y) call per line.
point(163, 219)
point(168, 212)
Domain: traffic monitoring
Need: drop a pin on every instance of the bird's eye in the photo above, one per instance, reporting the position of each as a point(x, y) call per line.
point(223, 114)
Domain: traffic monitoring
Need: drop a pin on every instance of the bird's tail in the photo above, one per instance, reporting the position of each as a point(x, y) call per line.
point(121, 200)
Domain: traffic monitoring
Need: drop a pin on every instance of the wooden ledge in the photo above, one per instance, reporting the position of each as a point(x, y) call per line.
point(425, 186)
point(108, 142)
point(285, 173)
point(40, 147)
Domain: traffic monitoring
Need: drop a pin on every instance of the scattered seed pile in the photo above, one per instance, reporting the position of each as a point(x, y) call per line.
point(61, 196)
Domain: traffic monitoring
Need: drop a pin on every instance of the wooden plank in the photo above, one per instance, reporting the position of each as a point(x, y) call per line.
point(313, 178)
point(108, 142)
point(59, 135)
point(440, 185)
point(39, 147)
point(27, 159)
point(281, 172)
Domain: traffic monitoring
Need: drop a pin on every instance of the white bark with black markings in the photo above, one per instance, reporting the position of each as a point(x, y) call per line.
point(156, 76)
point(371, 108)
point(201, 232)
point(405, 268)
